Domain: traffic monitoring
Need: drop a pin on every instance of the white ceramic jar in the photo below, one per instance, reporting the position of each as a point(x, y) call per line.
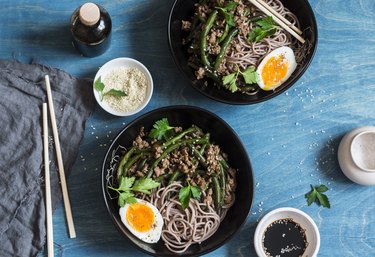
point(356, 155)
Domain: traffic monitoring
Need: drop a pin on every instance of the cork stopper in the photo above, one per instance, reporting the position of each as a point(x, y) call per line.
point(89, 14)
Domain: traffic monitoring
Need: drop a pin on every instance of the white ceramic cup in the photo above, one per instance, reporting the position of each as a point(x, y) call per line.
point(356, 155)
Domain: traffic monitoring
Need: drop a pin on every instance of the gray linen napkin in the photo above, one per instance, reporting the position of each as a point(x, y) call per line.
point(22, 92)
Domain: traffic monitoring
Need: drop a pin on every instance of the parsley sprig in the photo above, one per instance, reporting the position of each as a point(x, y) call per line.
point(129, 185)
point(316, 195)
point(226, 11)
point(99, 86)
point(230, 80)
point(160, 129)
point(186, 193)
point(265, 27)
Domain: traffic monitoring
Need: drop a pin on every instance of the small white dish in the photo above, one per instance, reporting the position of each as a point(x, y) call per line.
point(356, 155)
point(127, 63)
point(299, 217)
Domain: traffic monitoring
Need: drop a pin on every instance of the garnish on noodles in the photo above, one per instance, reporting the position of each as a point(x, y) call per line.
point(183, 174)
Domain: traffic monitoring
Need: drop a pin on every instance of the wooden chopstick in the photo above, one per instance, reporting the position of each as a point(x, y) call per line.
point(68, 210)
point(47, 184)
point(277, 20)
point(278, 15)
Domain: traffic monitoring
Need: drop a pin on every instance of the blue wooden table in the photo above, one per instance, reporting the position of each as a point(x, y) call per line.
point(292, 139)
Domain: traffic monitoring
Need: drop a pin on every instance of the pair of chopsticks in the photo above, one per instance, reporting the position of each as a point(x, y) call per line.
point(284, 23)
point(68, 210)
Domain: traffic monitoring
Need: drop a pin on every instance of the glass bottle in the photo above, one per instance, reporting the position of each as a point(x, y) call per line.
point(91, 25)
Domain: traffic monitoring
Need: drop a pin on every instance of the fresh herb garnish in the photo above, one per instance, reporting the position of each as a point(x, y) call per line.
point(128, 185)
point(160, 129)
point(265, 27)
point(316, 195)
point(230, 80)
point(229, 17)
point(99, 86)
point(186, 193)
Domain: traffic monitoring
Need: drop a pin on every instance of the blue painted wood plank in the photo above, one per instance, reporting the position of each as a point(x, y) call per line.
point(292, 139)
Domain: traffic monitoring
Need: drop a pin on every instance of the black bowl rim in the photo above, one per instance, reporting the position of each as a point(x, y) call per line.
point(177, 107)
point(270, 96)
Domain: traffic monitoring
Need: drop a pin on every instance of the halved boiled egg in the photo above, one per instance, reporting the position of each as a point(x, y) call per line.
point(276, 68)
point(143, 220)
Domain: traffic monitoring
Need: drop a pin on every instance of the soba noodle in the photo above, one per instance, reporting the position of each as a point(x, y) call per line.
point(184, 228)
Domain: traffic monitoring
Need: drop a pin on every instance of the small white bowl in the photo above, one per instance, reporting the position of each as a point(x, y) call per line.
point(127, 63)
point(298, 216)
point(356, 155)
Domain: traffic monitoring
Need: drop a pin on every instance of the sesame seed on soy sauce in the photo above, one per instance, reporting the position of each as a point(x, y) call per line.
point(284, 238)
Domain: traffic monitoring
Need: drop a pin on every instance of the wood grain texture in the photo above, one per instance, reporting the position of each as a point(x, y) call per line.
point(292, 139)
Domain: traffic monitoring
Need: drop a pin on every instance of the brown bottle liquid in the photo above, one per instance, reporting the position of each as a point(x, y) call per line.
point(91, 26)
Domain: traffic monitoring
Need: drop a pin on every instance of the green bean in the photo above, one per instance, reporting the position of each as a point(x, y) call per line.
point(194, 27)
point(197, 154)
point(173, 147)
point(201, 151)
point(224, 47)
point(223, 181)
point(141, 164)
point(217, 192)
point(179, 136)
point(161, 177)
point(123, 161)
point(174, 176)
point(203, 44)
point(224, 163)
point(131, 162)
point(225, 33)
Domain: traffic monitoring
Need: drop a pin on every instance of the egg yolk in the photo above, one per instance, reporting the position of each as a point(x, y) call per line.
point(140, 217)
point(274, 71)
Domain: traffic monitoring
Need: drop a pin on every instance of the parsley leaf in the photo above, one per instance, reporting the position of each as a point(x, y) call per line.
point(230, 80)
point(186, 193)
point(184, 196)
point(143, 185)
point(115, 92)
point(250, 75)
point(229, 17)
point(130, 184)
point(99, 86)
point(316, 195)
point(265, 27)
point(160, 129)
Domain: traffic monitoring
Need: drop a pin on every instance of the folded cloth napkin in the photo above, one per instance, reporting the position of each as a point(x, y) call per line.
point(22, 204)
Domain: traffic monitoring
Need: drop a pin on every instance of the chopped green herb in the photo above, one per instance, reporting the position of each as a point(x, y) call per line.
point(265, 27)
point(186, 193)
point(316, 195)
point(99, 86)
point(230, 80)
point(229, 17)
point(160, 129)
point(128, 185)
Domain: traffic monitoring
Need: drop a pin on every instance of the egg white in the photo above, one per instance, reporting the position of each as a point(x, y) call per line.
point(288, 54)
point(151, 236)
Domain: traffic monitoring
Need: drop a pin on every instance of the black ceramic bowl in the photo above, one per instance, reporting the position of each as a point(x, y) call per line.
point(184, 10)
point(222, 134)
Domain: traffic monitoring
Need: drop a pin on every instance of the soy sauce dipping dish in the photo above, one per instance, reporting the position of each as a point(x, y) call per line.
point(302, 220)
point(220, 133)
point(184, 10)
point(125, 63)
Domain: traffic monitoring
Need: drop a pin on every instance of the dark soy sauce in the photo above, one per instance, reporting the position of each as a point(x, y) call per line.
point(91, 27)
point(284, 238)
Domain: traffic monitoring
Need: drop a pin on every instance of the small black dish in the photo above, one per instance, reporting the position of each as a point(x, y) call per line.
point(184, 9)
point(223, 135)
